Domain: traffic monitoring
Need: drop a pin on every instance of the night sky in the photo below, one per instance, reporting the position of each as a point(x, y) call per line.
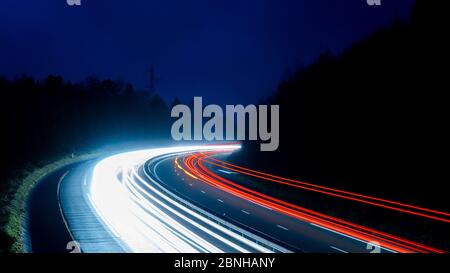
point(233, 51)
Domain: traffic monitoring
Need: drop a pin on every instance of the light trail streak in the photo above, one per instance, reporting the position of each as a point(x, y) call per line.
point(147, 220)
point(194, 164)
point(375, 201)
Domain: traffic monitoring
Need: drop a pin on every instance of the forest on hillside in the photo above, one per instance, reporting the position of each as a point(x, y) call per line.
point(370, 119)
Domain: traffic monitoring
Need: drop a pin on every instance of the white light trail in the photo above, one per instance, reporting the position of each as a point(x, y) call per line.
point(145, 219)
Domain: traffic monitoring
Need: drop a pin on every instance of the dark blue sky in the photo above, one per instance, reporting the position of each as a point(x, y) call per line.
point(233, 51)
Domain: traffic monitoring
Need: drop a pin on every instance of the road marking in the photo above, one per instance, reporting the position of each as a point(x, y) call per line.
point(246, 212)
point(260, 205)
point(63, 176)
point(220, 200)
point(59, 185)
point(338, 249)
point(285, 228)
point(227, 172)
point(203, 192)
point(59, 203)
point(348, 236)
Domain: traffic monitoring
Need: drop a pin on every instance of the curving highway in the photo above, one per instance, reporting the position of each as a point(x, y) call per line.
point(182, 199)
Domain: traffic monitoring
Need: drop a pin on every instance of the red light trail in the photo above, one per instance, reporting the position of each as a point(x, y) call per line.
point(195, 168)
point(419, 211)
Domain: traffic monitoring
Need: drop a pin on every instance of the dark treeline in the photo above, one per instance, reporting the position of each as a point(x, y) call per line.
point(372, 119)
point(42, 120)
point(45, 120)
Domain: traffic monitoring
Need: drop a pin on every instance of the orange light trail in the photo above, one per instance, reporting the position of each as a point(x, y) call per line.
point(186, 172)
